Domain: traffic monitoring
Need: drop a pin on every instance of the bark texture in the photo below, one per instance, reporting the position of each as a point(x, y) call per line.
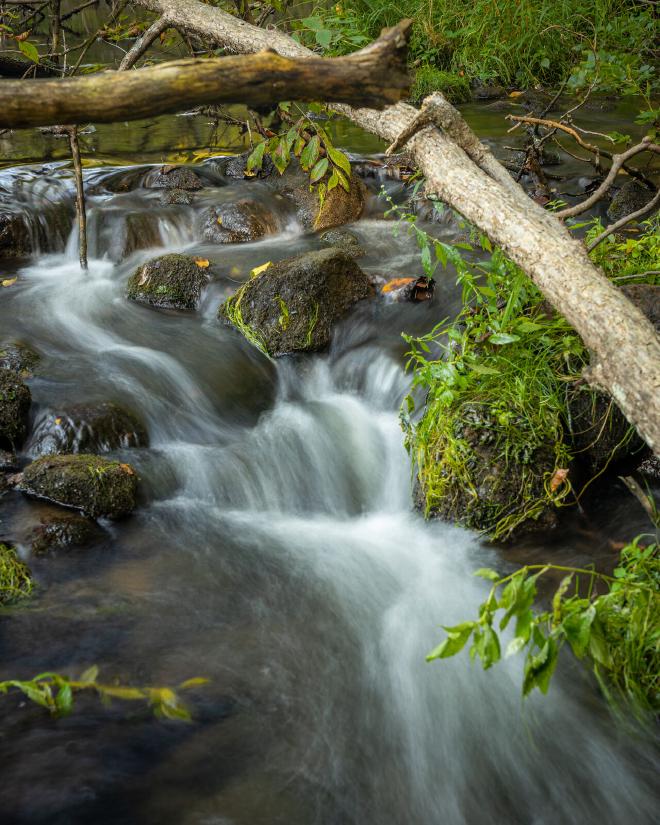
point(375, 75)
point(625, 349)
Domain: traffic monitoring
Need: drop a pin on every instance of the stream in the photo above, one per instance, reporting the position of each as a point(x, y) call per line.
point(275, 550)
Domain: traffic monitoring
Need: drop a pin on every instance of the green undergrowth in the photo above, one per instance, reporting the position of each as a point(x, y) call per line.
point(611, 623)
point(630, 258)
point(523, 43)
point(428, 79)
point(15, 577)
point(491, 442)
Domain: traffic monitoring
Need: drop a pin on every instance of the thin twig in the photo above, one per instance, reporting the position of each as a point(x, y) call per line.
point(142, 44)
point(617, 163)
point(623, 221)
point(72, 132)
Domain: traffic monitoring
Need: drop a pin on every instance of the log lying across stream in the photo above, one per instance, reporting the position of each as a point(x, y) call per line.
point(374, 76)
point(625, 349)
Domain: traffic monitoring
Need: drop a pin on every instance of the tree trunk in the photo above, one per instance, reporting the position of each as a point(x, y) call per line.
point(625, 349)
point(375, 75)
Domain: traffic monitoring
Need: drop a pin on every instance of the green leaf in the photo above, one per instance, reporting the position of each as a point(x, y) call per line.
point(256, 157)
point(64, 700)
point(339, 159)
point(90, 675)
point(319, 171)
point(311, 153)
point(482, 369)
point(196, 681)
point(488, 647)
point(539, 668)
point(29, 50)
point(502, 338)
point(281, 156)
point(487, 573)
point(455, 642)
point(324, 37)
point(577, 629)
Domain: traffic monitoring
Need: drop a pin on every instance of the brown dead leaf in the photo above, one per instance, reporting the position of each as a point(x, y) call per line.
point(19, 38)
point(127, 469)
point(559, 477)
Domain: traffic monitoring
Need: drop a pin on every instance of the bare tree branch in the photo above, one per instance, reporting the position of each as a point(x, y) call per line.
point(634, 216)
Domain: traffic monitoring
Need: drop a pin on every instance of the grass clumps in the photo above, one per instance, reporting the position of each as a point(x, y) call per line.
point(15, 577)
point(429, 79)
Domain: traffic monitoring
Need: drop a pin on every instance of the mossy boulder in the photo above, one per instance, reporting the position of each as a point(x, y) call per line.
point(468, 478)
point(15, 399)
point(87, 428)
point(240, 222)
point(292, 305)
point(63, 531)
point(96, 486)
point(171, 281)
point(177, 177)
point(632, 196)
point(15, 577)
point(19, 358)
point(178, 197)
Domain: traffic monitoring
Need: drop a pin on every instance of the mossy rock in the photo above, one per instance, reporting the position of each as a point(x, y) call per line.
point(15, 399)
point(19, 358)
point(236, 167)
point(96, 486)
point(177, 177)
point(87, 428)
point(292, 305)
point(171, 281)
point(15, 577)
point(632, 196)
point(469, 480)
point(62, 532)
point(339, 207)
point(240, 222)
point(178, 197)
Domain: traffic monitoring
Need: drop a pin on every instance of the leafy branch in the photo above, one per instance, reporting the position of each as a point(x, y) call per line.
point(616, 632)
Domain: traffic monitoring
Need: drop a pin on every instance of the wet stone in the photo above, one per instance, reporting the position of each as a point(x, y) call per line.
point(15, 238)
point(15, 399)
point(177, 177)
point(8, 462)
point(292, 305)
point(178, 197)
point(62, 532)
point(85, 428)
point(19, 358)
point(171, 281)
point(239, 222)
point(94, 485)
point(342, 239)
point(236, 167)
point(631, 197)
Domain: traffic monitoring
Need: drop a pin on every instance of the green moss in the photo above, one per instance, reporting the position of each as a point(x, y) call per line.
point(15, 400)
point(312, 324)
point(15, 577)
point(284, 318)
point(428, 79)
point(231, 310)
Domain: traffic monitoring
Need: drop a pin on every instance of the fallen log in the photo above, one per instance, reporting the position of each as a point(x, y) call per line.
point(375, 75)
point(625, 349)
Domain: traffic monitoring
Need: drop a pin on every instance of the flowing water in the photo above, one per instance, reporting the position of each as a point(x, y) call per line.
point(275, 552)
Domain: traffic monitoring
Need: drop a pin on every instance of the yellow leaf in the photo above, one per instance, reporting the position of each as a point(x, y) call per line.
point(9, 281)
point(219, 220)
point(259, 269)
point(194, 682)
point(58, 421)
point(516, 94)
point(202, 263)
point(396, 283)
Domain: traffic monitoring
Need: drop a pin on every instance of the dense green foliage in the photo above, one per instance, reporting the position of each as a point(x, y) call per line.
point(522, 43)
point(617, 632)
point(506, 356)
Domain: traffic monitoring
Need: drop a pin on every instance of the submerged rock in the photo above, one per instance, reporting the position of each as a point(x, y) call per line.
point(61, 532)
point(19, 358)
point(15, 238)
point(87, 428)
point(240, 222)
point(15, 399)
point(96, 486)
point(177, 177)
point(179, 197)
point(171, 281)
point(292, 305)
point(632, 196)
point(342, 239)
